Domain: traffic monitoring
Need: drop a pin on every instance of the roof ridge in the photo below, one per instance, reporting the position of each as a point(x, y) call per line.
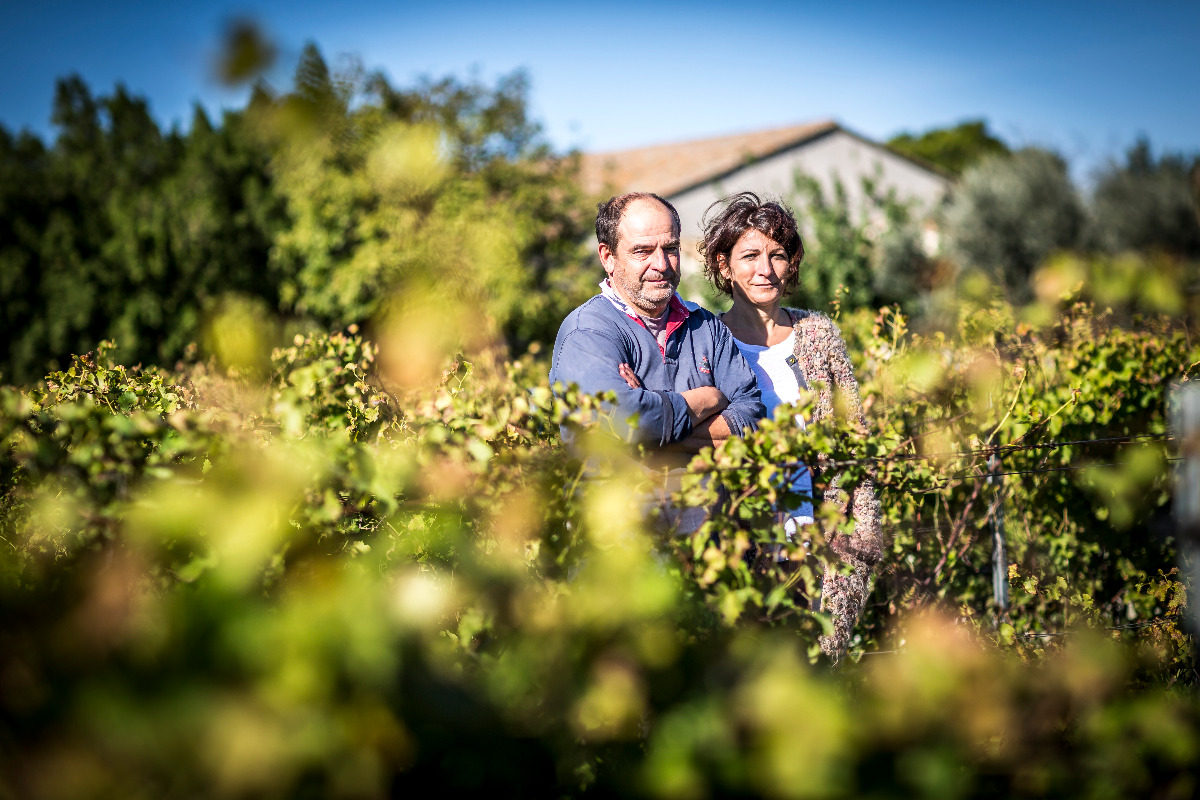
point(822, 125)
point(670, 167)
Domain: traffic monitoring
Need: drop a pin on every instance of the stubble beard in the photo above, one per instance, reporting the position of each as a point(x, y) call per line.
point(645, 299)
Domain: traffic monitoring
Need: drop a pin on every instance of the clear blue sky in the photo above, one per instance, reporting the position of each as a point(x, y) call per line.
point(1086, 78)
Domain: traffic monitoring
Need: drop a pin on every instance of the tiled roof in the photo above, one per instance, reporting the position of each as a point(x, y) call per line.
point(669, 168)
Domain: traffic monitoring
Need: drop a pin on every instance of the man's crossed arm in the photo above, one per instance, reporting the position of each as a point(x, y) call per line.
point(705, 404)
point(676, 421)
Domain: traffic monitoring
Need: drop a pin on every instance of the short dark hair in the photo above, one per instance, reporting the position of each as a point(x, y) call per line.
point(738, 214)
point(609, 213)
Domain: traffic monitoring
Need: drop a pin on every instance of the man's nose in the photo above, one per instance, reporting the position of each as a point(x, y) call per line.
point(662, 261)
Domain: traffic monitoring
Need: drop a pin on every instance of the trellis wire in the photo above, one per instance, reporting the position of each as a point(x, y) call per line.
point(998, 450)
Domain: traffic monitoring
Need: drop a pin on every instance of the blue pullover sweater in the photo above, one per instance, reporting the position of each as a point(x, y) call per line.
point(596, 337)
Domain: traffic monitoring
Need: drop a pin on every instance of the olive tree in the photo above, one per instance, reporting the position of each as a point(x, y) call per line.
point(1009, 213)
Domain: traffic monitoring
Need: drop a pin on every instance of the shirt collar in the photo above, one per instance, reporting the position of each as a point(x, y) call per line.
point(677, 311)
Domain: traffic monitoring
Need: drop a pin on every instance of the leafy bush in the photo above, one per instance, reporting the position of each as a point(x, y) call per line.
point(859, 258)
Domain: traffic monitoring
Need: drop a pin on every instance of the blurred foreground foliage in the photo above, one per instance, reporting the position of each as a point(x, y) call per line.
point(331, 573)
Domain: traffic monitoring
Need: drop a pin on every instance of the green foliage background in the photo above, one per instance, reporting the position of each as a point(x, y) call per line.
point(953, 149)
point(315, 205)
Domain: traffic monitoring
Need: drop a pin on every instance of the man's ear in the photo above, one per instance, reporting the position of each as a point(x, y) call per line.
point(607, 257)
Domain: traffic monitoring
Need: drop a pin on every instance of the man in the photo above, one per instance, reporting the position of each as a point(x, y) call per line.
point(676, 370)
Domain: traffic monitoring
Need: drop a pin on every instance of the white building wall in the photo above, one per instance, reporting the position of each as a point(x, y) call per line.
point(838, 155)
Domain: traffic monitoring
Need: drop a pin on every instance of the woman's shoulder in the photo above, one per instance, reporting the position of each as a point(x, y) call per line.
point(816, 334)
point(815, 321)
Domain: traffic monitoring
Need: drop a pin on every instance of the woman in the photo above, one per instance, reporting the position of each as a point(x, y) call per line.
point(752, 252)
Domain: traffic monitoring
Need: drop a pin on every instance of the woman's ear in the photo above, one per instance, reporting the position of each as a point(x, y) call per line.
point(723, 264)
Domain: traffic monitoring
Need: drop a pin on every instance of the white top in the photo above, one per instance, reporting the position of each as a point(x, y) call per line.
point(779, 384)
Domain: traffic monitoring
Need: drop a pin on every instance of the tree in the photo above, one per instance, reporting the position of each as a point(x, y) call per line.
point(444, 191)
point(837, 259)
point(122, 231)
point(953, 149)
point(902, 271)
point(861, 260)
point(321, 205)
point(1009, 213)
point(1146, 205)
point(24, 208)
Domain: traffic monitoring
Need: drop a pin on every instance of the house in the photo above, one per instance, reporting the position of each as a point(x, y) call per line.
point(693, 175)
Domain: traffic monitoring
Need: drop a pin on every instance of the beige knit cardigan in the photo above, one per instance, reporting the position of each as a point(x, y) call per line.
point(823, 359)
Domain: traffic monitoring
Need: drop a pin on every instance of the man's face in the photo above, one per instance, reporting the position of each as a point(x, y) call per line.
point(644, 270)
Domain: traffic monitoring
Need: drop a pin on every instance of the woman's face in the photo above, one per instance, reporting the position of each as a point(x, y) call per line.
point(756, 268)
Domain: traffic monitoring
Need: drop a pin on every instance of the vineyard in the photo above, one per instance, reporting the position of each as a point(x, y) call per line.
point(303, 524)
point(337, 574)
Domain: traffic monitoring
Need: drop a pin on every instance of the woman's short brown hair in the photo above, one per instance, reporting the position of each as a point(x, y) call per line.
point(734, 216)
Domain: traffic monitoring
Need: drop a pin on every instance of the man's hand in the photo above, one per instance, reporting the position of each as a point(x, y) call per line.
point(704, 402)
point(629, 377)
point(705, 405)
point(709, 433)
